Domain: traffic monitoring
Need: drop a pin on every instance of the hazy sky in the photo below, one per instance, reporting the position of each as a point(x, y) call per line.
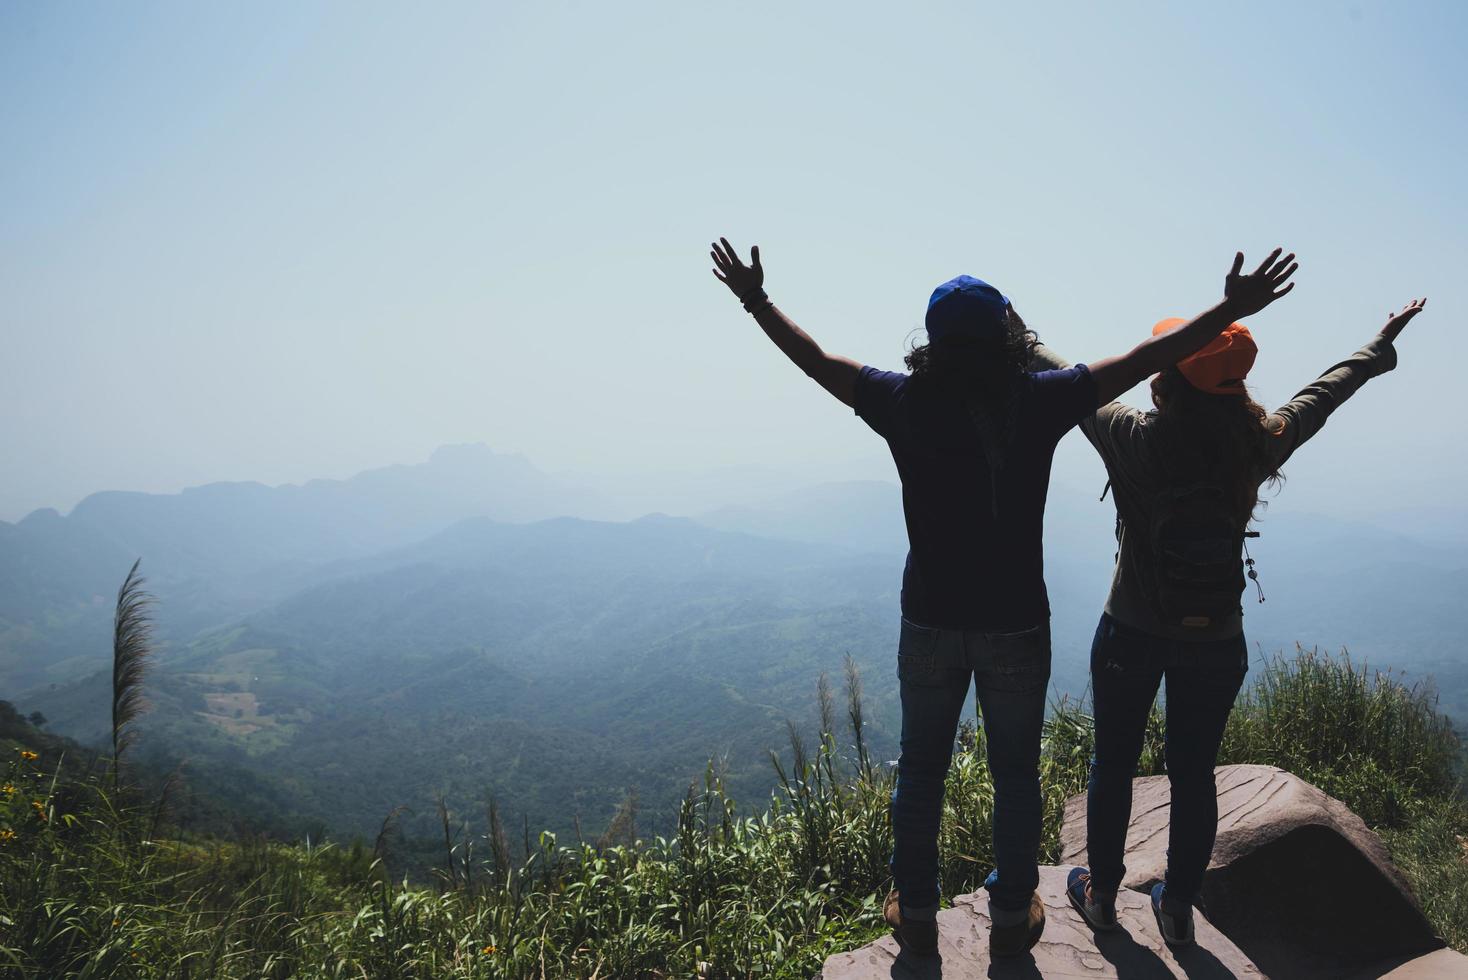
point(279, 241)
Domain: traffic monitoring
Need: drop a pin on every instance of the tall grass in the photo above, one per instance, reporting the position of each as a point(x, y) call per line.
point(1361, 735)
point(132, 651)
point(87, 889)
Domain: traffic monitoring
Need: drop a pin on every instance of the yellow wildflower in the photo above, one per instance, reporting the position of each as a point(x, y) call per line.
point(6, 836)
point(8, 789)
point(489, 950)
point(40, 808)
point(28, 756)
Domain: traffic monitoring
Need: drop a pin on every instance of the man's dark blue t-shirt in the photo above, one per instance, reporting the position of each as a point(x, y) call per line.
point(967, 569)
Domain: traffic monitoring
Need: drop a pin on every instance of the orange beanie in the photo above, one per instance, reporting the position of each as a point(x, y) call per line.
point(1221, 367)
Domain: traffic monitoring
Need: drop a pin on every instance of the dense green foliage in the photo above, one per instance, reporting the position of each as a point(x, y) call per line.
point(91, 886)
point(1361, 736)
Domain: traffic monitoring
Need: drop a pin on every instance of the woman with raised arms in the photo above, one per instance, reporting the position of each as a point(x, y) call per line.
point(1185, 479)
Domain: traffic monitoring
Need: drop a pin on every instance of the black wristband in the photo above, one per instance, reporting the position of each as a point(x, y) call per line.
point(755, 297)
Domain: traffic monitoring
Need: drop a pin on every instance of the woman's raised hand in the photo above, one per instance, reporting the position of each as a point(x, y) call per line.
point(1246, 295)
point(1395, 322)
point(740, 278)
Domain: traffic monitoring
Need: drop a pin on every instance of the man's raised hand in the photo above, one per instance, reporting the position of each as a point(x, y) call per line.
point(740, 278)
point(1246, 295)
point(1395, 322)
point(834, 373)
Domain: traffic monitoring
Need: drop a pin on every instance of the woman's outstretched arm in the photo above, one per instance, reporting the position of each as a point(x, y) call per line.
point(834, 373)
point(1303, 416)
point(1243, 295)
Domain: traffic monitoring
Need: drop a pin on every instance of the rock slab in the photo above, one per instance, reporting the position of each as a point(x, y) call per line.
point(1445, 964)
point(1069, 948)
point(1297, 881)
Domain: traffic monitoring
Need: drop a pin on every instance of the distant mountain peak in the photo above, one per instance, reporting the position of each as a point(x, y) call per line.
point(40, 516)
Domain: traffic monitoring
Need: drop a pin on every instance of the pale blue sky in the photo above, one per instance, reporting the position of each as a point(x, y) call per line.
point(278, 241)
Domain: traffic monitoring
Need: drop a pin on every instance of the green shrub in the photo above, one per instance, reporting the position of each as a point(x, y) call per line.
point(1432, 852)
point(1374, 742)
point(91, 887)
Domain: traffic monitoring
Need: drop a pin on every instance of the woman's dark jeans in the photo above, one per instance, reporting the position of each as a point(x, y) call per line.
point(1011, 672)
point(1203, 679)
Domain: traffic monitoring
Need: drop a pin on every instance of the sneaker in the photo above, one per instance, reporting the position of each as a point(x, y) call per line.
point(917, 936)
point(1015, 933)
point(1174, 922)
point(1097, 909)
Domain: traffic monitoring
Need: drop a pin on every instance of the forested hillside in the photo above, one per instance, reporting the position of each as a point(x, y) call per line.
point(558, 666)
point(219, 551)
point(332, 651)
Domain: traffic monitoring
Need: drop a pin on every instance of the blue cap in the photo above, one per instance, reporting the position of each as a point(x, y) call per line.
point(967, 307)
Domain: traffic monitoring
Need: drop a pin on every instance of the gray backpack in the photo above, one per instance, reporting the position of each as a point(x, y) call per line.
point(1196, 556)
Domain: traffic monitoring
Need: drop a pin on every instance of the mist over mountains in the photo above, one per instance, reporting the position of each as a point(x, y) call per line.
point(474, 627)
point(224, 549)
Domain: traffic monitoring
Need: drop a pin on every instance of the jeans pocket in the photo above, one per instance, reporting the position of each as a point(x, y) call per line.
point(1022, 652)
point(917, 651)
point(1019, 662)
point(1119, 650)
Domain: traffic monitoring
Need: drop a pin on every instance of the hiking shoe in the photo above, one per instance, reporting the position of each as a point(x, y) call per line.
point(1097, 909)
point(917, 936)
point(1016, 932)
point(1175, 924)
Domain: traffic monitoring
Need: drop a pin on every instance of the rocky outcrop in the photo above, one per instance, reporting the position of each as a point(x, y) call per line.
point(1297, 880)
point(1298, 886)
point(1445, 964)
point(1068, 949)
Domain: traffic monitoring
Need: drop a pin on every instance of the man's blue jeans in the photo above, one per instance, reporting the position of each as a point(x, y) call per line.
point(1203, 679)
point(1011, 672)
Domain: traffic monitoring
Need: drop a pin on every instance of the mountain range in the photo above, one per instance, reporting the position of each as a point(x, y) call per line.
point(332, 650)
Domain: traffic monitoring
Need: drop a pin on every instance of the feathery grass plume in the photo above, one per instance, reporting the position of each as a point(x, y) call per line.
point(132, 654)
point(448, 843)
point(854, 711)
point(828, 708)
point(623, 828)
point(389, 824)
point(468, 859)
point(499, 845)
point(798, 759)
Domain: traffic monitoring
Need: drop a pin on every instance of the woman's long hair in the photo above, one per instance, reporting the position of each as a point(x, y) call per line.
point(982, 377)
point(1222, 439)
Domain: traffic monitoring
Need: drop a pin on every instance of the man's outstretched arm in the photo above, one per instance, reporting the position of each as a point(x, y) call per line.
point(1243, 295)
point(834, 373)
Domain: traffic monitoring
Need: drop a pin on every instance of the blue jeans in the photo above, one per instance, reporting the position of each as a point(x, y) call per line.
point(1011, 672)
point(1203, 679)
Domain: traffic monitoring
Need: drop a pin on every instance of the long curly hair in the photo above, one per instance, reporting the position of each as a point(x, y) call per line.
point(1221, 439)
point(982, 377)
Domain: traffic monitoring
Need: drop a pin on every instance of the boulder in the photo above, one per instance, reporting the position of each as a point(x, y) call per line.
point(1069, 948)
point(1297, 881)
point(1445, 964)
